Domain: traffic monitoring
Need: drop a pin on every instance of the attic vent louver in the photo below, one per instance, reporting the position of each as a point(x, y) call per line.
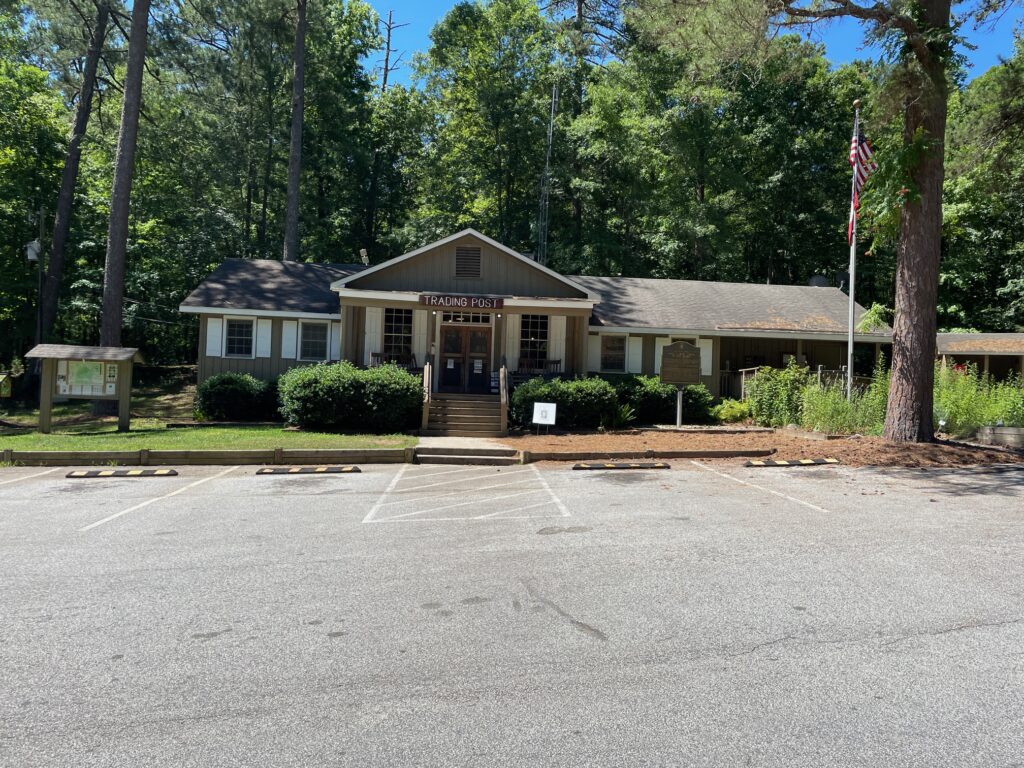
point(467, 262)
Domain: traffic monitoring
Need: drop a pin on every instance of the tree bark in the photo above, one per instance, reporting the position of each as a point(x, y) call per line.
point(291, 222)
point(69, 179)
point(120, 198)
point(908, 416)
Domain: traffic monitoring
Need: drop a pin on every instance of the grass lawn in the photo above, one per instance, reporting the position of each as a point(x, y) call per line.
point(75, 429)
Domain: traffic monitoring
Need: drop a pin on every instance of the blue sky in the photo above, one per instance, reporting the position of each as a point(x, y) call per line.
point(843, 39)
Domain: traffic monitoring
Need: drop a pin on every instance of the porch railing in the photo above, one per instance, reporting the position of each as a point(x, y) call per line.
point(427, 381)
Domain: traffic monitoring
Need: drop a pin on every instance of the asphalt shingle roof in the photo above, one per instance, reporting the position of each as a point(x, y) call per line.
point(276, 286)
point(981, 343)
point(712, 306)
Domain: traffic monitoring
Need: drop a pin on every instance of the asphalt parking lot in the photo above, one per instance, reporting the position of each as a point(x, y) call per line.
point(706, 615)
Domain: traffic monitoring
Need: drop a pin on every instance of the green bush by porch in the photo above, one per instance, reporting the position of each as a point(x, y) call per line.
point(340, 397)
point(236, 397)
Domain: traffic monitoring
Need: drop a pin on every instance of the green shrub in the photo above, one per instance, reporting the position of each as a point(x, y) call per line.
point(236, 397)
point(966, 399)
point(341, 397)
point(731, 411)
point(775, 395)
point(585, 402)
point(826, 408)
point(655, 402)
point(620, 418)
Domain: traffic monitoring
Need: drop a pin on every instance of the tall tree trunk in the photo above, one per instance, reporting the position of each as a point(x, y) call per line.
point(69, 179)
point(908, 416)
point(120, 198)
point(291, 221)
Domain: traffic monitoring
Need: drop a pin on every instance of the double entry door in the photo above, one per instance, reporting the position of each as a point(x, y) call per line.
point(465, 359)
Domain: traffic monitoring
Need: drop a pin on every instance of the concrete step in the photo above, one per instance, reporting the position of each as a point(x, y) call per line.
point(464, 451)
point(486, 461)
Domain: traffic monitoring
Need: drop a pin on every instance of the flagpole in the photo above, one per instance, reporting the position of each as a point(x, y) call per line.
point(853, 265)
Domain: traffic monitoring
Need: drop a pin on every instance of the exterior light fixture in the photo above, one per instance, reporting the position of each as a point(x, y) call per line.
point(32, 250)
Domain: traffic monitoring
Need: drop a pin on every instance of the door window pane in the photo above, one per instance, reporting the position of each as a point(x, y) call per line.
point(313, 344)
point(479, 342)
point(238, 342)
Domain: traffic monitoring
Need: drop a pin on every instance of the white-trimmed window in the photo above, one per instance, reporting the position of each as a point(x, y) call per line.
point(533, 340)
point(238, 337)
point(613, 353)
point(397, 334)
point(313, 340)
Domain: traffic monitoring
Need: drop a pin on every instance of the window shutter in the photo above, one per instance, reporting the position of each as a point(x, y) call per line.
point(634, 354)
point(556, 338)
point(264, 326)
point(289, 339)
point(593, 361)
point(467, 262)
point(513, 326)
point(374, 332)
point(334, 342)
point(707, 347)
point(419, 335)
point(659, 348)
point(214, 337)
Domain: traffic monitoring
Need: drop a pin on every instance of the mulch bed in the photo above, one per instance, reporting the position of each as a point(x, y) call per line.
point(854, 451)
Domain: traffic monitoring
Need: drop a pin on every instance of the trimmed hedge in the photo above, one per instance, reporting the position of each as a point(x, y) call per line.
point(655, 402)
point(588, 403)
point(595, 402)
point(339, 397)
point(236, 397)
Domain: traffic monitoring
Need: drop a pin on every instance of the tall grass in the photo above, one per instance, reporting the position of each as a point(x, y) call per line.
point(966, 399)
point(826, 409)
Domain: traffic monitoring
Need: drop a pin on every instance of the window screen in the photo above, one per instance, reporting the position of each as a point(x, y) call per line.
point(467, 262)
point(238, 340)
point(533, 340)
point(397, 334)
point(613, 353)
point(313, 343)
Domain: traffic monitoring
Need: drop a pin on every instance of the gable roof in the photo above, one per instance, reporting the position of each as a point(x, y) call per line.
point(468, 232)
point(270, 285)
point(981, 343)
point(712, 306)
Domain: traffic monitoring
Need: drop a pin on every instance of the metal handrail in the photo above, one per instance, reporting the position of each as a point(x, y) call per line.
point(503, 391)
point(427, 379)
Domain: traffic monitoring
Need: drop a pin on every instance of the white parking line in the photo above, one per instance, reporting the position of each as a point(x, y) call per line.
point(29, 477)
point(501, 512)
point(465, 504)
point(558, 501)
point(153, 501)
point(380, 500)
point(421, 475)
point(760, 487)
point(448, 482)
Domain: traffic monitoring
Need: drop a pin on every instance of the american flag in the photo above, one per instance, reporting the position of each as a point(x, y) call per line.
point(863, 161)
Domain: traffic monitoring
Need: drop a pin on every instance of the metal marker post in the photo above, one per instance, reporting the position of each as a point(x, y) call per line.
point(679, 406)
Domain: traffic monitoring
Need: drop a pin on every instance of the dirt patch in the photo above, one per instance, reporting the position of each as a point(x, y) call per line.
point(855, 451)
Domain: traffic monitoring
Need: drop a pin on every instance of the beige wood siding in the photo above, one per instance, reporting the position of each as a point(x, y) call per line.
point(265, 368)
point(434, 271)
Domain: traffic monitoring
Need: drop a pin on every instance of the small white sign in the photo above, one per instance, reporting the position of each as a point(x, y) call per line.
point(544, 413)
point(478, 366)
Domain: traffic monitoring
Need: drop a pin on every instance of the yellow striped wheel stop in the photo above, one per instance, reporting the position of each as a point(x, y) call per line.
point(794, 463)
point(306, 470)
point(622, 465)
point(90, 473)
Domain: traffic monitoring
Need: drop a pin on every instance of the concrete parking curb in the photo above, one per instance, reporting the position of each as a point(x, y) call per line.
point(529, 457)
point(145, 457)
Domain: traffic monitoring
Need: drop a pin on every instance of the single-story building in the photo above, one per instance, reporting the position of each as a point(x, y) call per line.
point(466, 309)
point(468, 304)
point(998, 354)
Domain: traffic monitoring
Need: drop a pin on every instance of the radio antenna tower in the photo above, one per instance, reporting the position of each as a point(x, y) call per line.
point(545, 187)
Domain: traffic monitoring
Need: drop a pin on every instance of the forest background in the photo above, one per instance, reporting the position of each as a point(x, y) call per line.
point(662, 165)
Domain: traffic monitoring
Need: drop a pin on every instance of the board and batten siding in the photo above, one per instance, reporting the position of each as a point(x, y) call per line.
point(434, 271)
point(275, 347)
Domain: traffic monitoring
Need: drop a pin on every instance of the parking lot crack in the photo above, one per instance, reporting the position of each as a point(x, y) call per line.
point(954, 629)
point(760, 646)
point(581, 626)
